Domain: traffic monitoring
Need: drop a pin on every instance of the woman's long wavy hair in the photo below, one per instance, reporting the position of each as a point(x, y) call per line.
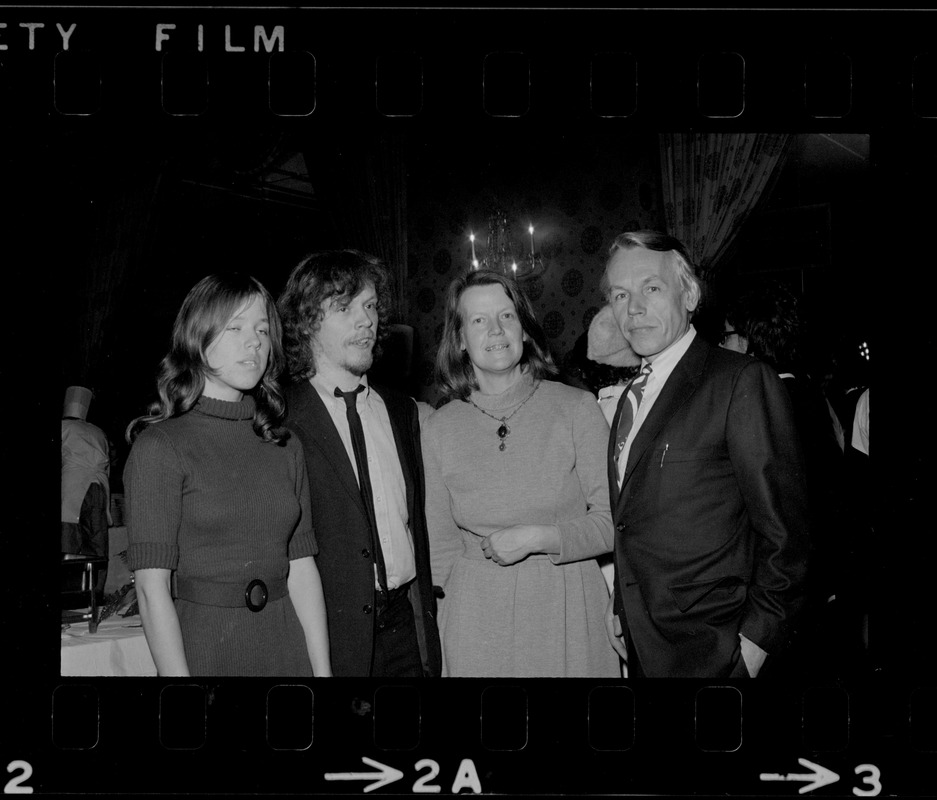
point(205, 312)
point(320, 277)
point(455, 376)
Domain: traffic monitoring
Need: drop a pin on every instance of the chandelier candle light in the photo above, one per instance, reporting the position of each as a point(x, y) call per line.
point(501, 249)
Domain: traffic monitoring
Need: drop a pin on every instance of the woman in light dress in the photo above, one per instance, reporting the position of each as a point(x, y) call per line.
point(517, 497)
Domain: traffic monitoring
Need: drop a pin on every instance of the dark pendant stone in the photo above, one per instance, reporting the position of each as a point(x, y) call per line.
point(502, 446)
point(503, 431)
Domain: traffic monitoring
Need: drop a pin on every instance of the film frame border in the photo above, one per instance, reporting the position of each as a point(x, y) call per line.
point(883, 99)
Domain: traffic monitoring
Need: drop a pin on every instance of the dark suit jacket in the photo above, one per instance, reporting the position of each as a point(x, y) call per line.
point(711, 522)
point(345, 560)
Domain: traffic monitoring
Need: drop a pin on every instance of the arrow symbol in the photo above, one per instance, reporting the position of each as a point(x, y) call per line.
point(820, 776)
point(385, 776)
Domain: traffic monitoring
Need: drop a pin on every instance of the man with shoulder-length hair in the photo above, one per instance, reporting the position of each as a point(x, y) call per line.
point(707, 484)
point(362, 446)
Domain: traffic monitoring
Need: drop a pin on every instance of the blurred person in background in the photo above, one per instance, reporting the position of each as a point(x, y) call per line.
point(85, 482)
point(766, 323)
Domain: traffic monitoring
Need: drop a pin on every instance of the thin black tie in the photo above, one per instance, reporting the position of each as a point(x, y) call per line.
point(364, 477)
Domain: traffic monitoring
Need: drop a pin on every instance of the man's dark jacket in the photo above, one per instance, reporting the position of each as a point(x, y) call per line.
point(711, 522)
point(345, 560)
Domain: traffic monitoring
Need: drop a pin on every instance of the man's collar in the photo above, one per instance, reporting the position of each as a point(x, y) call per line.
point(666, 359)
point(327, 388)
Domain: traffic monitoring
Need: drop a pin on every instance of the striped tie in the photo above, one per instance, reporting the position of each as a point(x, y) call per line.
point(628, 406)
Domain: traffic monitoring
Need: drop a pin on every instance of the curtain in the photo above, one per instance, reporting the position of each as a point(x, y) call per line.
point(362, 181)
point(711, 184)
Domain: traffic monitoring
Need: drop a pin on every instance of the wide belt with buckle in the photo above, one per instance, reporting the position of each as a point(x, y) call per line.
point(254, 594)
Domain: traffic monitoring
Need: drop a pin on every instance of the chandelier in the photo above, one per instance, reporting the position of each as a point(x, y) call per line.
point(503, 253)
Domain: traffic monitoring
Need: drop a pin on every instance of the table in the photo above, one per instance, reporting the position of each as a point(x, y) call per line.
point(118, 647)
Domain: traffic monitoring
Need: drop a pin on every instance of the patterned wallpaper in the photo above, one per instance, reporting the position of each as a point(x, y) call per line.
point(592, 190)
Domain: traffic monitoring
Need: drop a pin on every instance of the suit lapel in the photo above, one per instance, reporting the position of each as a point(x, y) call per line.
point(315, 419)
point(680, 385)
point(401, 438)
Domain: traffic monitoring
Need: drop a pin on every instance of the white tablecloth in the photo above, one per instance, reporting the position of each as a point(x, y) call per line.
point(118, 647)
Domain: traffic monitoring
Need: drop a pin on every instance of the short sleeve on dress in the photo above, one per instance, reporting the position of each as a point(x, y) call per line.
point(302, 545)
point(153, 484)
point(303, 541)
point(152, 555)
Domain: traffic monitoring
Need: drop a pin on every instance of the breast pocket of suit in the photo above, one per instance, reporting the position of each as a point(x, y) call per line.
point(691, 475)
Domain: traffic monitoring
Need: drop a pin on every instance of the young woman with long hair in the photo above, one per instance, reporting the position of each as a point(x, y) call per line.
point(218, 511)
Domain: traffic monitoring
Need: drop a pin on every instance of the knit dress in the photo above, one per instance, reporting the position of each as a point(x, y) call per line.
point(543, 616)
point(208, 498)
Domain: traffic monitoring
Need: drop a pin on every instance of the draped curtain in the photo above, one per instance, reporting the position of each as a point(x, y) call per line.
point(362, 181)
point(711, 183)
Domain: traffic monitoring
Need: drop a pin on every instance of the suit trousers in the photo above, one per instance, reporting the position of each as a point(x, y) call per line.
point(396, 650)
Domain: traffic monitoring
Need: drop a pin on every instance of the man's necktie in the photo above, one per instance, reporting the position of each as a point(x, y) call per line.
point(628, 409)
point(364, 477)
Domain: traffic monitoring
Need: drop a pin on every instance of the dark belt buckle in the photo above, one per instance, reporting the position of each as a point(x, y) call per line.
point(249, 601)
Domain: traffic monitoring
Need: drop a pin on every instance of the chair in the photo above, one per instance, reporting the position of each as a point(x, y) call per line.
point(85, 569)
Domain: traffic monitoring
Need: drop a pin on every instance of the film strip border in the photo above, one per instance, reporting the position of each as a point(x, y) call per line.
point(513, 737)
point(651, 70)
point(734, 69)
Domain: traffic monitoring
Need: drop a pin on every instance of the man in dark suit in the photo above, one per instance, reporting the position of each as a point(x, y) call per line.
point(707, 485)
point(362, 446)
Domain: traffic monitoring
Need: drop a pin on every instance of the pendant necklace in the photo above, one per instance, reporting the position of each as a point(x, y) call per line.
point(504, 431)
